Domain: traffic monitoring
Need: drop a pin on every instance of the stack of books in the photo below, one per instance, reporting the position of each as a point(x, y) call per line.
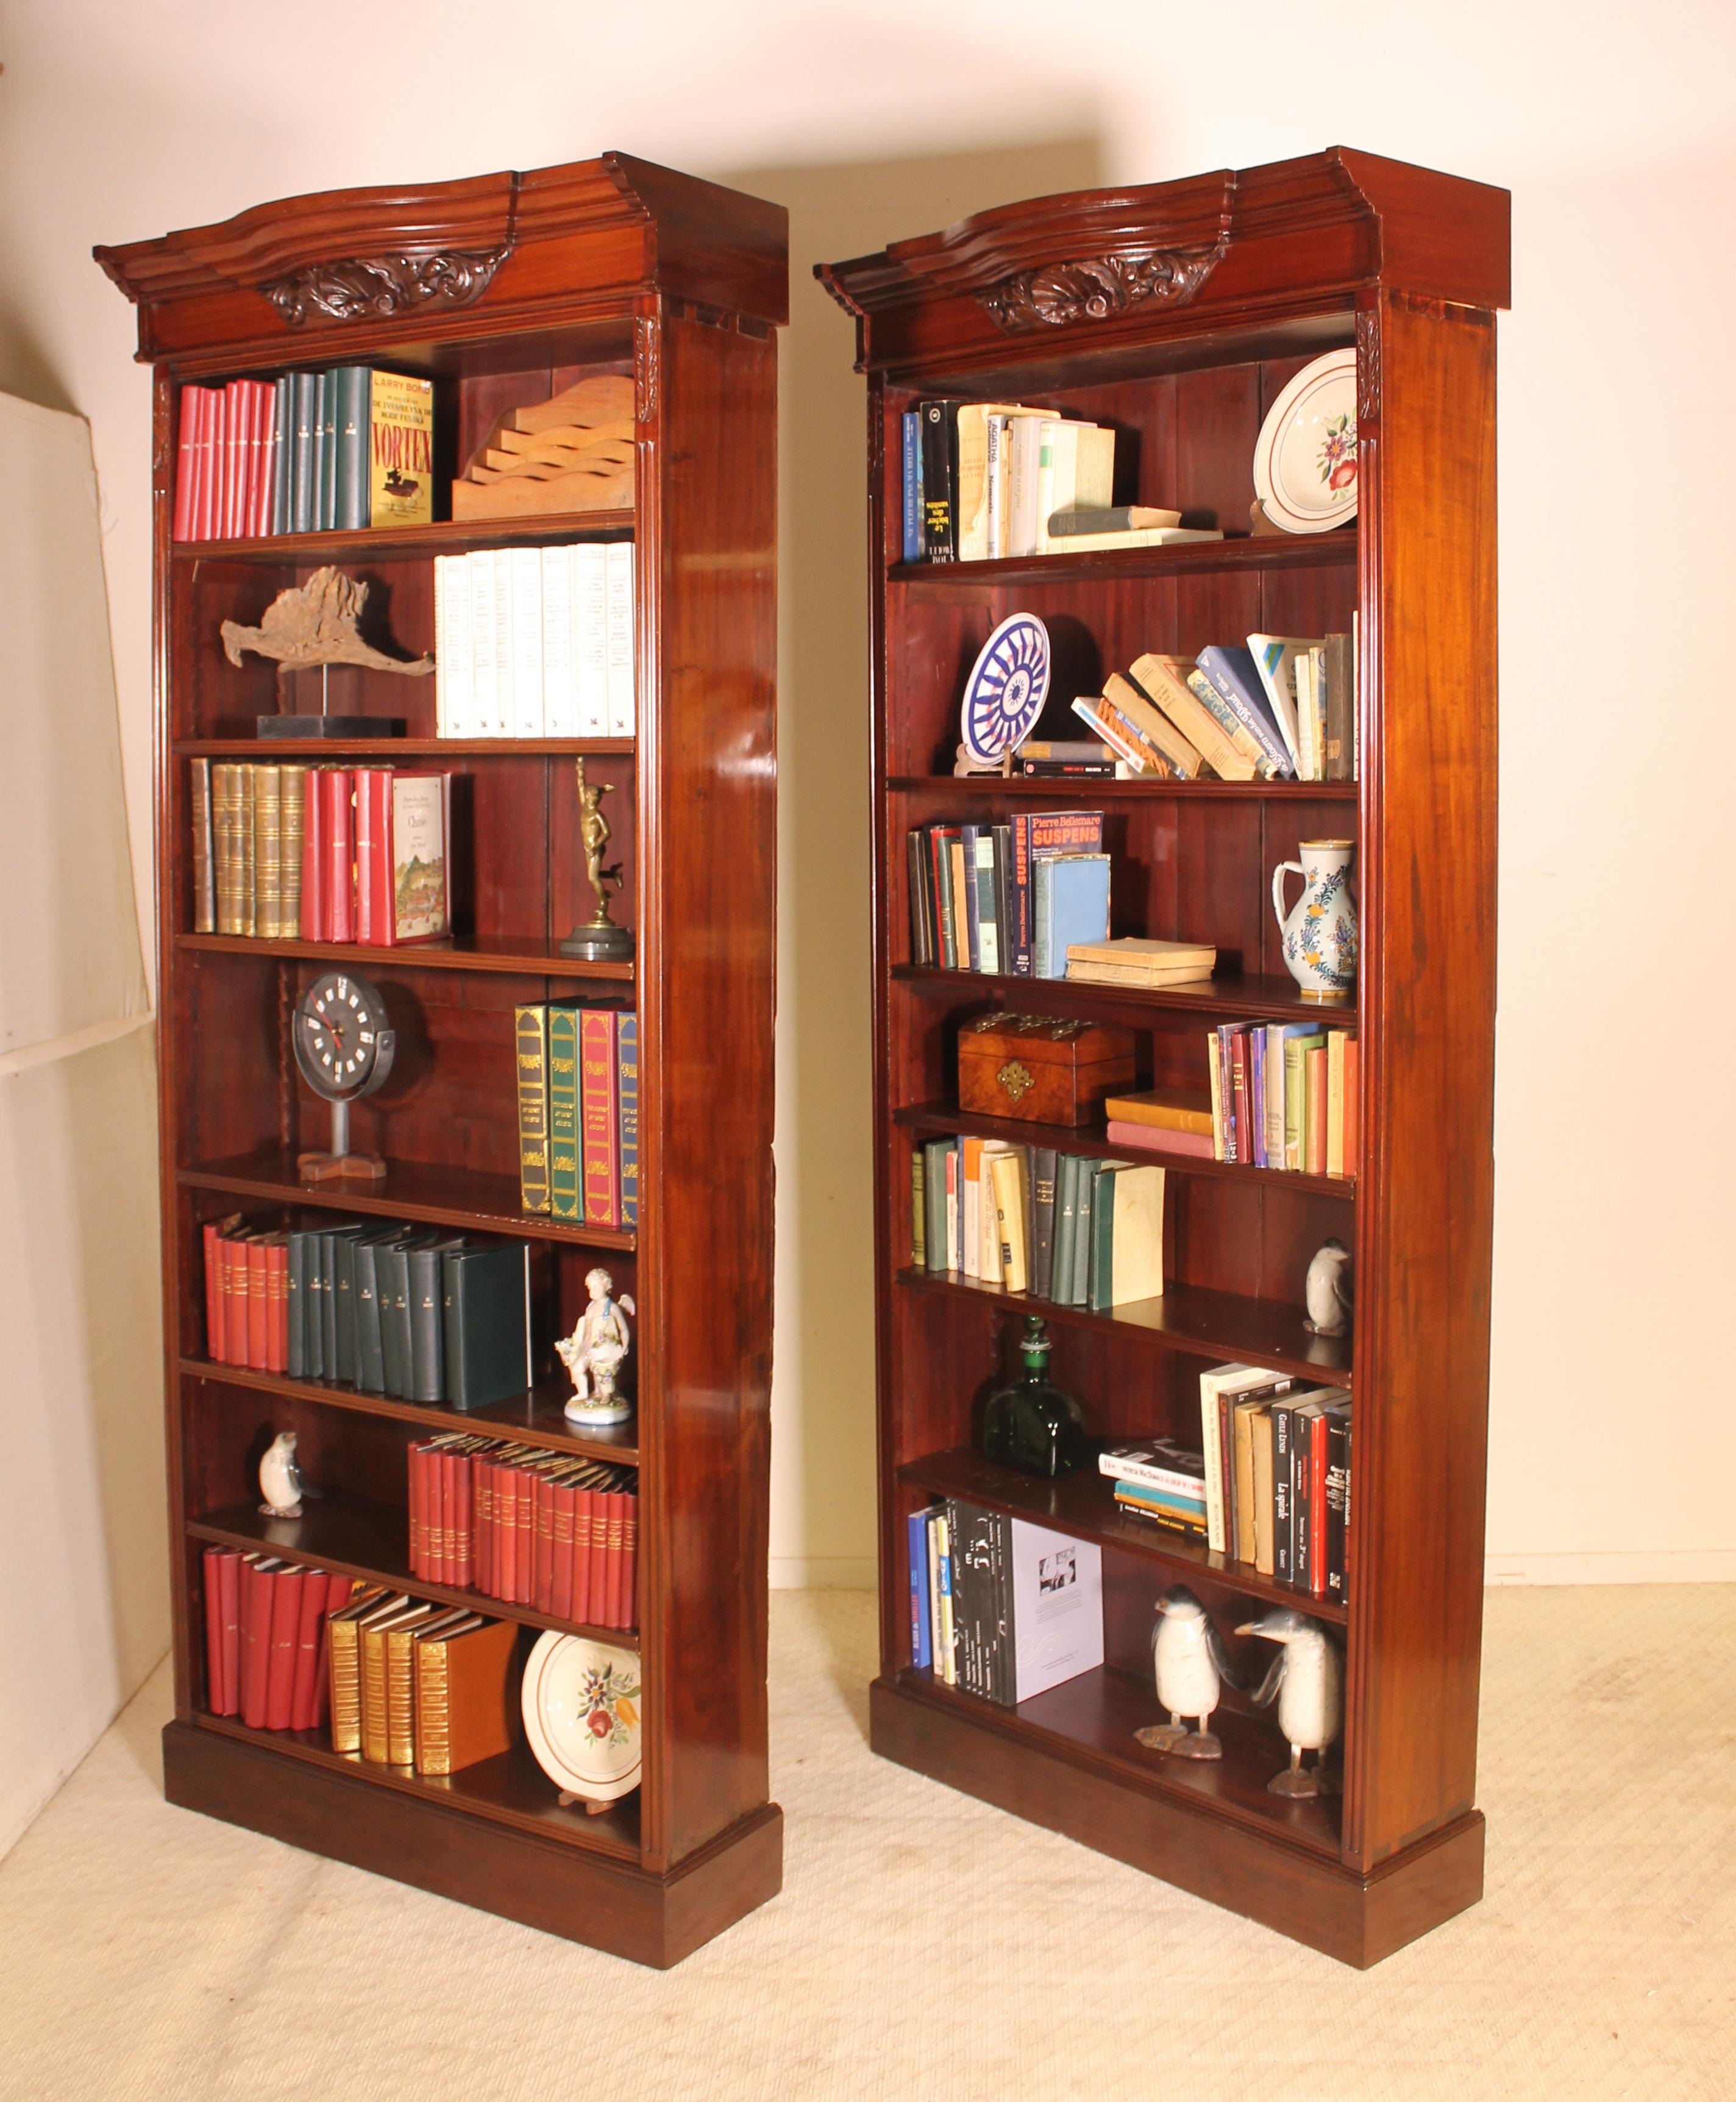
point(534, 642)
point(1163, 1481)
point(435, 1687)
point(320, 854)
point(578, 1111)
point(308, 452)
point(1000, 1608)
point(1283, 1095)
point(1281, 706)
point(983, 480)
point(1073, 1230)
point(527, 1526)
point(266, 1636)
point(394, 1310)
point(1139, 962)
point(1007, 899)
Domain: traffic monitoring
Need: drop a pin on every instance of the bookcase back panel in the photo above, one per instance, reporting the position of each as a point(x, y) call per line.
point(229, 1030)
point(1097, 625)
point(226, 1429)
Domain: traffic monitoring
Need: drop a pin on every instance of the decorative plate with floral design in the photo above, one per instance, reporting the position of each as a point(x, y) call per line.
point(1305, 461)
point(1008, 686)
point(580, 1702)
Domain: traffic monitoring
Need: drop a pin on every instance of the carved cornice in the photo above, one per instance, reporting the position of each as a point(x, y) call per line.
point(1099, 287)
point(1368, 367)
point(376, 287)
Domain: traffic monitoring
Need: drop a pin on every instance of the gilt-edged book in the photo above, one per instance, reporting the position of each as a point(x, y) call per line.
point(466, 1690)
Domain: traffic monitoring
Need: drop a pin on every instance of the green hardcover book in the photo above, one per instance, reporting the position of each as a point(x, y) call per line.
point(1100, 1285)
point(370, 1361)
point(328, 446)
point(486, 1323)
point(427, 1365)
point(530, 1027)
point(1066, 1224)
point(351, 499)
point(934, 1190)
point(1296, 1050)
point(1079, 1292)
point(566, 1190)
point(297, 1367)
point(919, 1211)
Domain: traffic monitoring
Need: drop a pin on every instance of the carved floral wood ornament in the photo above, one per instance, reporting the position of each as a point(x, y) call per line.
point(384, 284)
point(1097, 287)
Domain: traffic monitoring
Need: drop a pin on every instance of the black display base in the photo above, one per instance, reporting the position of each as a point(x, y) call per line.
point(346, 727)
point(600, 945)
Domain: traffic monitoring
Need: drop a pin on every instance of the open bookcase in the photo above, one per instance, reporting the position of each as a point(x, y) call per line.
point(502, 289)
point(1176, 314)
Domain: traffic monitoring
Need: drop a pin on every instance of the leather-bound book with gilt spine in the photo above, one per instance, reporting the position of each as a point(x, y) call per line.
point(466, 1690)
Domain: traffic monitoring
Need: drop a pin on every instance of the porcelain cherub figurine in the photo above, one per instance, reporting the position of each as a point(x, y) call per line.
point(594, 1353)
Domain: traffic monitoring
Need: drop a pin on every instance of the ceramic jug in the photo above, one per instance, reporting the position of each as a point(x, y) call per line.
point(1320, 933)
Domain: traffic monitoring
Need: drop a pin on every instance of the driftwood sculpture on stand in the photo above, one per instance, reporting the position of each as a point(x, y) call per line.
point(315, 623)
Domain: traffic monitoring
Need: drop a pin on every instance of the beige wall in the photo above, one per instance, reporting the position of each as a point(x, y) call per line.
point(1607, 122)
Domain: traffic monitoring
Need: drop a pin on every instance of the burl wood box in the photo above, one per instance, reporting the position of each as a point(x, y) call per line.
point(1040, 1067)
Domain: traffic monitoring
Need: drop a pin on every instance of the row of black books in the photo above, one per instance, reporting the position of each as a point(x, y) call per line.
point(400, 1310)
point(1001, 1608)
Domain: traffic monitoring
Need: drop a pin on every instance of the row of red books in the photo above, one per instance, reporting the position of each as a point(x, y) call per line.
point(528, 1526)
point(265, 1638)
point(374, 855)
point(247, 1295)
point(230, 439)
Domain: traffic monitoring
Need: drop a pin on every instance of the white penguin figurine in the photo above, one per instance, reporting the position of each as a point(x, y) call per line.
point(1331, 1291)
point(1308, 1676)
point(280, 1478)
point(1192, 1666)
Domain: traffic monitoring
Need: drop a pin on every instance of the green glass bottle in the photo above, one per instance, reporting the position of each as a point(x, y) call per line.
point(1032, 1425)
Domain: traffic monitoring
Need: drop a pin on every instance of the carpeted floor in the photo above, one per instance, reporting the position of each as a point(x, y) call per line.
point(925, 1946)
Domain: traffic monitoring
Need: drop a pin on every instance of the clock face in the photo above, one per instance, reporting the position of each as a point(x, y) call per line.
point(339, 1031)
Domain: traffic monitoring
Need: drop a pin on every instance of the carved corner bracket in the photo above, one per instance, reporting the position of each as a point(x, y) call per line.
point(1098, 287)
point(1368, 367)
point(380, 285)
point(645, 373)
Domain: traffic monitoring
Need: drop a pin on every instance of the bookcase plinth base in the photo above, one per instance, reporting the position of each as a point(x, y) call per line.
point(1358, 1919)
point(610, 1905)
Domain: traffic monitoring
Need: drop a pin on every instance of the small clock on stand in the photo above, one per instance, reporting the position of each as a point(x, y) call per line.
point(343, 1047)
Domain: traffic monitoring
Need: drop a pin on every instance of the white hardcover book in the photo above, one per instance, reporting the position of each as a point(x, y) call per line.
point(442, 641)
point(1304, 678)
point(1082, 475)
point(994, 543)
point(618, 577)
point(989, 1266)
point(461, 715)
point(527, 642)
point(485, 674)
point(1275, 660)
point(1221, 1379)
point(590, 639)
point(1021, 510)
point(506, 706)
point(559, 691)
point(1057, 1601)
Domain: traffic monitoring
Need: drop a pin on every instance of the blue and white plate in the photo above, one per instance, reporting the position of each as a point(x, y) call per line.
point(1008, 686)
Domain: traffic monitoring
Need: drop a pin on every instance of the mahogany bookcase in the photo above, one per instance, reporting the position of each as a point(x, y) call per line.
point(1176, 313)
point(502, 289)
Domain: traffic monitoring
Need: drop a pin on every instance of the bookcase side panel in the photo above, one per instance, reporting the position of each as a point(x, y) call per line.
point(709, 855)
point(1428, 1007)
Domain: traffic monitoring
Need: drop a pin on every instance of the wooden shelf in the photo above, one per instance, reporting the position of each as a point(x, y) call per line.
point(463, 1197)
point(1087, 788)
point(521, 958)
point(1084, 1504)
point(350, 1536)
point(535, 1418)
point(935, 1118)
point(291, 752)
point(1091, 1720)
point(1188, 1317)
point(510, 1789)
point(1313, 550)
point(445, 537)
point(1247, 995)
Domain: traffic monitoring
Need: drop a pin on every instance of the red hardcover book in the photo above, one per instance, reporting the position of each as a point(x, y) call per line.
point(215, 1678)
point(314, 858)
point(524, 1537)
point(236, 405)
point(287, 1586)
point(629, 1561)
point(1353, 1103)
point(338, 827)
point(464, 1524)
point(600, 1518)
point(617, 1545)
point(232, 1282)
point(230, 1572)
point(502, 1504)
point(560, 1595)
point(214, 1347)
point(414, 1464)
point(542, 1578)
point(208, 504)
point(368, 815)
point(259, 1307)
point(1239, 1081)
point(265, 458)
point(255, 1639)
point(453, 1465)
point(1317, 1485)
point(583, 1527)
point(482, 1521)
point(314, 1591)
point(599, 1080)
point(339, 1592)
point(277, 1279)
point(187, 460)
point(259, 403)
